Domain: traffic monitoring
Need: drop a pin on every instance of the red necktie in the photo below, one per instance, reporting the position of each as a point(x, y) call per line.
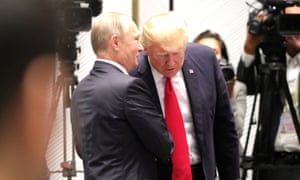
point(181, 169)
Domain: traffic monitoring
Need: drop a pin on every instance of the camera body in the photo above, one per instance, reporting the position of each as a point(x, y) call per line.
point(275, 27)
point(277, 21)
point(76, 15)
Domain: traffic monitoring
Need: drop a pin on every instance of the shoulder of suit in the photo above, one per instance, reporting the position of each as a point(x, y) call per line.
point(198, 51)
point(197, 46)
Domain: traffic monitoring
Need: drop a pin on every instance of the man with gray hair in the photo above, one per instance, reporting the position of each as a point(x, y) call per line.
point(119, 132)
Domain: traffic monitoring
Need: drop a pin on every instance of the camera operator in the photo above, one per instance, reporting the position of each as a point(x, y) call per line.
point(286, 145)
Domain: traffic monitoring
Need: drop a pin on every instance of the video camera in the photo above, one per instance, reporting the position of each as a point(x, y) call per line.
point(275, 26)
point(74, 16)
point(277, 21)
point(228, 70)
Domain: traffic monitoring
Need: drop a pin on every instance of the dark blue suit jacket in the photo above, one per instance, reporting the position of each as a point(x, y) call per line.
point(118, 131)
point(212, 115)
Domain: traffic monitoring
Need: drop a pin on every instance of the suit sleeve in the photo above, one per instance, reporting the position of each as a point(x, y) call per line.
point(147, 121)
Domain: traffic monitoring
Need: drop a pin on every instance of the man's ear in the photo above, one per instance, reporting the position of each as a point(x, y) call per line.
point(114, 42)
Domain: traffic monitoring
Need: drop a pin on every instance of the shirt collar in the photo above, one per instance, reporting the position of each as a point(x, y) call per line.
point(117, 65)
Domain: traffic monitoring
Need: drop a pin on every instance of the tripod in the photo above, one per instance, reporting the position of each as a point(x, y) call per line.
point(274, 90)
point(64, 86)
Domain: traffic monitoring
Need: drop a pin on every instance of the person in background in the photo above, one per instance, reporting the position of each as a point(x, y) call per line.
point(284, 143)
point(28, 48)
point(118, 131)
point(193, 70)
point(237, 89)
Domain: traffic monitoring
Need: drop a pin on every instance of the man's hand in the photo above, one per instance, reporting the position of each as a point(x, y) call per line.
point(252, 40)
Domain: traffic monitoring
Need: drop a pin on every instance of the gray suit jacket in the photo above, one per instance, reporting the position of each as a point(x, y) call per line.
point(212, 115)
point(119, 133)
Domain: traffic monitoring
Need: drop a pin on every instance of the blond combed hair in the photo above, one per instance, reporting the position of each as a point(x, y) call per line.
point(168, 29)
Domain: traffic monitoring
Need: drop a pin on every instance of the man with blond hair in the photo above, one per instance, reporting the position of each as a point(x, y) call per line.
point(200, 88)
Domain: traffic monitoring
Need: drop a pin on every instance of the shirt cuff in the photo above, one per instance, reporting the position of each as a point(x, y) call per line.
point(247, 59)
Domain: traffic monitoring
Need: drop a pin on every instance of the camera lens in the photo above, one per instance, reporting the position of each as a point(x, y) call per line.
point(228, 73)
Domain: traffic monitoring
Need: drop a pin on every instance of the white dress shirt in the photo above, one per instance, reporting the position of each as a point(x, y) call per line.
point(185, 108)
point(117, 65)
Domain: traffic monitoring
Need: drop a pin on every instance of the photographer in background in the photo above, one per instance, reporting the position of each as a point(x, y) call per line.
point(27, 48)
point(237, 90)
point(285, 146)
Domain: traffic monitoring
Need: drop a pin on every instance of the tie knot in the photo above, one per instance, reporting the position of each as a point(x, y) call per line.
point(168, 85)
point(168, 79)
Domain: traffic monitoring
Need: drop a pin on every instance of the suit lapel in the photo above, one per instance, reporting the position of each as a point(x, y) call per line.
point(191, 77)
point(145, 73)
point(195, 93)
